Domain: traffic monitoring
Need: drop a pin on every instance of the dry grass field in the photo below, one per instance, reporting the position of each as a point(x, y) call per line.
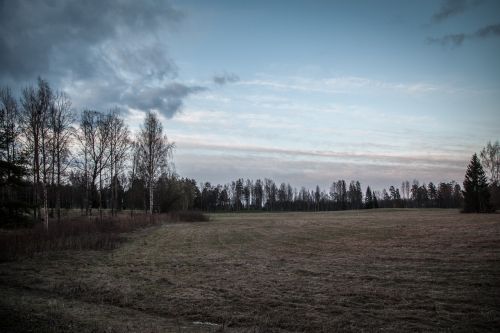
point(383, 270)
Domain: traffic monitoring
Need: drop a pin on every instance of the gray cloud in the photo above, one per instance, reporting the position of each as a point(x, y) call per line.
point(226, 78)
point(492, 30)
point(168, 99)
point(100, 52)
point(451, 8)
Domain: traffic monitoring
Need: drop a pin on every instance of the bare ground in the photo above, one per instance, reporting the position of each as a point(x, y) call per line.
point(380, 270)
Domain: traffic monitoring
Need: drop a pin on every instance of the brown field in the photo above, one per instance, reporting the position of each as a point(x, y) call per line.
point(383, 270)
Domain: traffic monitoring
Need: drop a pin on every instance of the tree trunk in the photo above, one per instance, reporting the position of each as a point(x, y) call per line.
point(53, 175)
point(112, 181)
point(58, 187)
point(86, 181)
point(100, 194)
point(36, 178)
point(151, 197)
point(116, 205)
point(45, 207)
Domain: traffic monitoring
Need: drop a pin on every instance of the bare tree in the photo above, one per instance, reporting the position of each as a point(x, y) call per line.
point(118, 145)
point(134, 169)
point(155, 151)
point(36, 104)
point(61, 118)
point(94, 136)
point(30, 123)
point(45, 99)
point(490, 158)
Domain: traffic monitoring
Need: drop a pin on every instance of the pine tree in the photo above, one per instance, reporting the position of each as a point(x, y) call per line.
point(476, 194)
point(368, 198)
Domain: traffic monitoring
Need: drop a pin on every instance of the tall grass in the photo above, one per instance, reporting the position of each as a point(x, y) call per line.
point(82, 233)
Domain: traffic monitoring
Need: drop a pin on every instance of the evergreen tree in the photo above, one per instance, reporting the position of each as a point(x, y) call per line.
point(368, 198)
point(476, 195)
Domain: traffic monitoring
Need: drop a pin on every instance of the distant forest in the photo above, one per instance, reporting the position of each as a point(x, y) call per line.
point(52, 160)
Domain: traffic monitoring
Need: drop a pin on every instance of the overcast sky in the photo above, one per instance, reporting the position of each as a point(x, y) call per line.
point(305, 92)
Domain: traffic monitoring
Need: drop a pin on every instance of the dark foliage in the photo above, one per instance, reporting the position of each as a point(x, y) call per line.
point(13, 210)
point(495, 196)
point(476, 192)
point(266, 195)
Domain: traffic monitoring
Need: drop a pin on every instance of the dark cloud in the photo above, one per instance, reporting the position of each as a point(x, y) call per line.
point(492, 30)
point(37, 35)
point(106, 51)
point(451, 8)
point(226, 78)
point(168, 99)
point(488, 31)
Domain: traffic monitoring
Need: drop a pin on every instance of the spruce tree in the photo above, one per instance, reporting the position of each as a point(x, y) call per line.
point(476, 194)
point(368, 198)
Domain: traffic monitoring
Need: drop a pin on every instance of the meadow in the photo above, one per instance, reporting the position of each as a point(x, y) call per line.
point(370, 270)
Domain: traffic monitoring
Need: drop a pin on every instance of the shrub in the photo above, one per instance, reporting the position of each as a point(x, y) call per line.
point(77, 233)
point(191, 216)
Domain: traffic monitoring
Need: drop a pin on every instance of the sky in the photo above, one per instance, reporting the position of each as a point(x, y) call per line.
point(305, 92)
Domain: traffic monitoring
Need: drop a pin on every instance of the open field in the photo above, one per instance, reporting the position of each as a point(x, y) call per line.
point(391, 270)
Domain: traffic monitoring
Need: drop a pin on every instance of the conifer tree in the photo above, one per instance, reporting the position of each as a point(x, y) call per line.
point(476, 194)
point(368, 198)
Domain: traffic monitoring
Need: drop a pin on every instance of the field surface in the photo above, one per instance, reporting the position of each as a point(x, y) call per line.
point(383, 270)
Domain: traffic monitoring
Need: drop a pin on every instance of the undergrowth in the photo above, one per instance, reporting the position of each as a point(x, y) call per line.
point(82, 233)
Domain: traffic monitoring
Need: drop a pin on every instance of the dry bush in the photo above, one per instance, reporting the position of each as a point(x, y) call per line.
point(189, 216)
point(83, 233)
point(76, 233)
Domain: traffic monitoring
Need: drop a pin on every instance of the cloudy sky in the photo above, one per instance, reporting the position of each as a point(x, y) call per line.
point(305, 92)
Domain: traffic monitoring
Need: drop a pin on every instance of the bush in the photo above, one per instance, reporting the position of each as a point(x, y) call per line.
point(80, 233)
point(83, 233)
point(191, 216)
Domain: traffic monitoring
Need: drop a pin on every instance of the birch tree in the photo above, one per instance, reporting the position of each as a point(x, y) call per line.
point(154, 151)
point(118, 146)
point(61, 118)
point(35, 110)
point(93, 136)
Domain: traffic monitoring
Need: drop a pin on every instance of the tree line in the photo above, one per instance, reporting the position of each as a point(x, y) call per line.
point(51, 159)
point(267, 195)
point(478, 194)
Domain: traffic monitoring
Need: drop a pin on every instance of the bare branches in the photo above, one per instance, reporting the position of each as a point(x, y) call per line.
point(154, 152)
point(490, 157)
point(61, 119)
point(119, 145)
